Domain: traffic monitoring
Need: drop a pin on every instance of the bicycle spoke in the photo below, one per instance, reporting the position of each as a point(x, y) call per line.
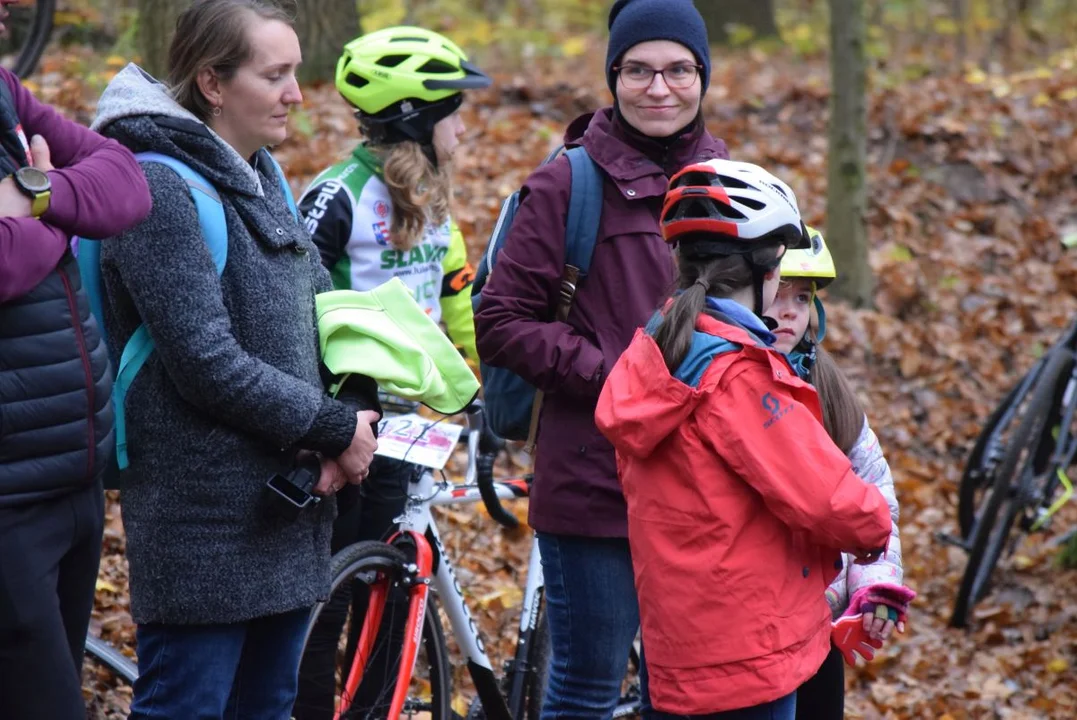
point(355, 643)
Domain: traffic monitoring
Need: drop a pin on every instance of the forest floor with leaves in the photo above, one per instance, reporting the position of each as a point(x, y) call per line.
point(972, 186)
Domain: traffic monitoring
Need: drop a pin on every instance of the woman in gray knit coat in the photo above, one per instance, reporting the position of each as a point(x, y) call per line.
point(220, 586)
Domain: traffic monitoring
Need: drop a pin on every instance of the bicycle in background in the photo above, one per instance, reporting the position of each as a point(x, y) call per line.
point(29, 27)
point(1016, 474)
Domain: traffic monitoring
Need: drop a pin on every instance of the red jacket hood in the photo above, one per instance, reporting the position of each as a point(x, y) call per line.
point(642, 403)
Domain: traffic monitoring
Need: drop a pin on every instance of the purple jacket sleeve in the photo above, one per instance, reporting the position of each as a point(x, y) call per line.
point(98, 190)
point(514, 324)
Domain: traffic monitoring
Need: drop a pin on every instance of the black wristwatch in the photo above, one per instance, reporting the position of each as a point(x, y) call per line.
point(36, 185)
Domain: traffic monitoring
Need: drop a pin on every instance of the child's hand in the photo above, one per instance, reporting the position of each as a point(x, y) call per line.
point(879, 624)
point(882, 606)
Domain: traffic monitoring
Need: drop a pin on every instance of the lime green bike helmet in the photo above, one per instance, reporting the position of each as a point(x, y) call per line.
point(814, 263)
point(402, 80)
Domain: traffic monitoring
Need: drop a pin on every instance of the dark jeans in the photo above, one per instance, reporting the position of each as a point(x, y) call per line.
point(781, 709)
point(594, 616)
point(381, 500)
point(822, 697)
point(234, 671)
point(49, 554)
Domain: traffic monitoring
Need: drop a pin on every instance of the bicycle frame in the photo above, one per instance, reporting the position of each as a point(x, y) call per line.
point(1061, 459)
point(419, 535)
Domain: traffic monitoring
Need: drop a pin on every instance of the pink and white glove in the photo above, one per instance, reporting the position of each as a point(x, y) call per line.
point(893, 599)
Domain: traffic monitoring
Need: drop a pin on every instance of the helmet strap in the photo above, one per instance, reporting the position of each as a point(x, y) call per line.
point(806, 350)
point(820, 332)
point(759, 277)
point(803, 358)
point(408, 131)
point(407, 122)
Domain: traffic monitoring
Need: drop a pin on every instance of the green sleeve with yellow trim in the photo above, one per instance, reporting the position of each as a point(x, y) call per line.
point(456, 311)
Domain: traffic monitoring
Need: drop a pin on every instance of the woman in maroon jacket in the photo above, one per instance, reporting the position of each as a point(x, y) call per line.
point(658, 67)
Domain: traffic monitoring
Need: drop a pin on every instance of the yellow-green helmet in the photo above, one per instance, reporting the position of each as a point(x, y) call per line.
point(380, 70)
point(814, 262)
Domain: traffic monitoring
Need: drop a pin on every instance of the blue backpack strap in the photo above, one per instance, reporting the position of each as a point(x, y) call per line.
point(88, 256)
point(211, 221)
point(584, 210)
point(581, 236)
point(284, 186)
point(206, 202)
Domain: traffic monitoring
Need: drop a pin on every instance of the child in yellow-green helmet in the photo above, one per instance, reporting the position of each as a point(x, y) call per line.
point(383, 211)
point(378, 214)
point(875, 592)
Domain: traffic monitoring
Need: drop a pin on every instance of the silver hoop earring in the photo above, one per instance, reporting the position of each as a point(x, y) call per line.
point(217, 111)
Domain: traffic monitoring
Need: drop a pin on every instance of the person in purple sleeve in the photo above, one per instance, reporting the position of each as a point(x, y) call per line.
point(658, 68)
point(56, 435)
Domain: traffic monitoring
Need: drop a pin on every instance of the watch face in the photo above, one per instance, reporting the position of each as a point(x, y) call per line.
point(33, 179)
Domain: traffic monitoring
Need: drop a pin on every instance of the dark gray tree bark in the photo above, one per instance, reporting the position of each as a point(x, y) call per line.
point(847, 233)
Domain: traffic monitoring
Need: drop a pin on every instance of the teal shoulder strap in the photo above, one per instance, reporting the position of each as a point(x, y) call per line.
point(284, 186)
point(212, 222)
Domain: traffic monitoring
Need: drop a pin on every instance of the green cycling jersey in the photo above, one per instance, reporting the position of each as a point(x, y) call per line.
point(348, 211)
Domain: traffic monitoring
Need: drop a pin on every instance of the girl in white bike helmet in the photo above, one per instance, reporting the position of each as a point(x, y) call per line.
point(874, 591)
point(738, 501)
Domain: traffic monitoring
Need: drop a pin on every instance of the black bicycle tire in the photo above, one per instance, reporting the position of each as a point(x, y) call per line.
point(345, 564)
point(966, 493)
point(1044, 394)
point(119, 664)
point(538, 664)
point(37, 39)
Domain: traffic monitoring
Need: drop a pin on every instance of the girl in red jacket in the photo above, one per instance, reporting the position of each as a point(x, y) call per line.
point(739, 503)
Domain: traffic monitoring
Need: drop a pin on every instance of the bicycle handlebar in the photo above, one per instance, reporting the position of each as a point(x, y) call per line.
point(482, 449)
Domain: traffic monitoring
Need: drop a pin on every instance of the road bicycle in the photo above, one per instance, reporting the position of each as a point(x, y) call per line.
point(29, 27)
point(394, 637)
point(1016, 474)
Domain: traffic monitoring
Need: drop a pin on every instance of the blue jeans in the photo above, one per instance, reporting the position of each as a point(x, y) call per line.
point(235, 671)
point(594, 616)
point(781, 709)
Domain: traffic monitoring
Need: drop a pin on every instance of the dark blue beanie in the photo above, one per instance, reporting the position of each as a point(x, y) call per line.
point(635, 21)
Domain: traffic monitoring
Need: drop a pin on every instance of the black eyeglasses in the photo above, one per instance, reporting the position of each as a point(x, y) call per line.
point(638, 77)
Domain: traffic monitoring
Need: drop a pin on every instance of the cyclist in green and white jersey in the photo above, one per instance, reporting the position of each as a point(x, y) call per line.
point(383, 212)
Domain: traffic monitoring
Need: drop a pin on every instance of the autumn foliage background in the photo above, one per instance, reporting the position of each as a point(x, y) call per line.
point(972, 157)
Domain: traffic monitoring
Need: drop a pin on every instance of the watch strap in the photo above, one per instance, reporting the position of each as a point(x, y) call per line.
point(39, 203)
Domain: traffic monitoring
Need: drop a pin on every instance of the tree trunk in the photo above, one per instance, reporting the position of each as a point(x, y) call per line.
point(324, 27)
point(758, 15)
point(156, 25)
point(846, 204)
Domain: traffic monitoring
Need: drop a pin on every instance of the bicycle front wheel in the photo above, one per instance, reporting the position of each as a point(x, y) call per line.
point(29, 25)
point(1027, 454)
point(988, 450)
point(538, 666)
point(330, 649)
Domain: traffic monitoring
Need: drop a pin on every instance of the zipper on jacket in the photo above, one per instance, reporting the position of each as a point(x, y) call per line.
point(80, 340)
